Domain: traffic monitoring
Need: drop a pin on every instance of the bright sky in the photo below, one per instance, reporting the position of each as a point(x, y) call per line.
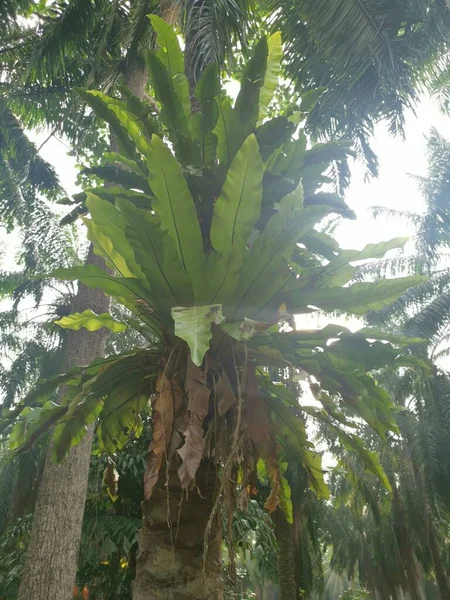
point(394, 188)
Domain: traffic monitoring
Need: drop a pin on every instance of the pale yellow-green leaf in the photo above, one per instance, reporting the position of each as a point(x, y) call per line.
point(275, 54)
point(91, 321)
point(193, 325)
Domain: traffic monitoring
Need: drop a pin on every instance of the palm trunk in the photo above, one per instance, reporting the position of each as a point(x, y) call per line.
point(51, 563)
point(170, 563)
point(439, 570)
point(286, 560)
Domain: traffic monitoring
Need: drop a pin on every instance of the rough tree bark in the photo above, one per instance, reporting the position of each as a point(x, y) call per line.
point(286, 556)
point(51, 563)
point(170, 558)
point(52, 556)
point(439, 569)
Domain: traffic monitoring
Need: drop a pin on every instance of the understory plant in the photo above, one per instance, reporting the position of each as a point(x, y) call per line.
point(208, 217)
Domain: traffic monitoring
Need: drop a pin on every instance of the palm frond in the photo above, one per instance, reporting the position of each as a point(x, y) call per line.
point(433, 231)
point(368, 54)
point(10, 11)
point(431, 320)
point(404, 309)
point(64, 33)
point(211, 29)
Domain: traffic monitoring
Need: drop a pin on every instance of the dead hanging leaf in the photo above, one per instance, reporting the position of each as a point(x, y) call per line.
point(197, 392)
point(255, 416)
point(224, 394)
point(178, 399)
point(191, 452)
point(111, 480)
point(179, 427)
point(162, 420)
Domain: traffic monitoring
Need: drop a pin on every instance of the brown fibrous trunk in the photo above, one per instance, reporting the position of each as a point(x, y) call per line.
point(286, 556)
point(171, 564)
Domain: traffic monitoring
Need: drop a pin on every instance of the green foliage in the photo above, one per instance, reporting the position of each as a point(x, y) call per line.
point(237, 229)
point(366, 56)
point(193, 325)
point(237, 209)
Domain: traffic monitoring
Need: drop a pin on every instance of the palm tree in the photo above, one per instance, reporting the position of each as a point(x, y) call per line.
point(390, 543)
point(45, 64)
point(218, 417)
point(372, 58)
point(58, 37)
point(419, 461)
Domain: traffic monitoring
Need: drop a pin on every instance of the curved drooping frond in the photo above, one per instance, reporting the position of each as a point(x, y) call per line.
point(71, 30)
point(423, 310)
point(29, 349)
point(433, 232)
point(370, 55)
point(431, 320)
point(212, 28)
point(20, 165)
point(413, 300)
point(382, 541)
point(10, 11)
point(27, 186)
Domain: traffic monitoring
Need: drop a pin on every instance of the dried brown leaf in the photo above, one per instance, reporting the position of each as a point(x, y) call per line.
point(224, 394)
point(162, 418)
point(179, 427)
point(197, 392)
point(255, 416)
point(191, 453)
point(192, 450)
point(111, 481)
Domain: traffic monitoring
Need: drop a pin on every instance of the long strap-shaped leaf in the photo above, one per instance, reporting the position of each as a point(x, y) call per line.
point(157, 256)
point(96, 100)
point(176, 210)
point(128, 291)
point(275, 54)
point(357, 299)
point(172, 107)
point(247, 102)
point(238, 207)
point(265, 270)
point(107, 232)
point(169, 49)
point(204, 122)
point(169, 53)
point(227, 130)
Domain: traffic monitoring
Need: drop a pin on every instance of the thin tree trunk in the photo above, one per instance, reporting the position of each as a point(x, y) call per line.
point(52, 556)
point(51, 563)
point(439, 570)
point(172, 539)
point(271, 592)
point(286, 560)
point(412, 579)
